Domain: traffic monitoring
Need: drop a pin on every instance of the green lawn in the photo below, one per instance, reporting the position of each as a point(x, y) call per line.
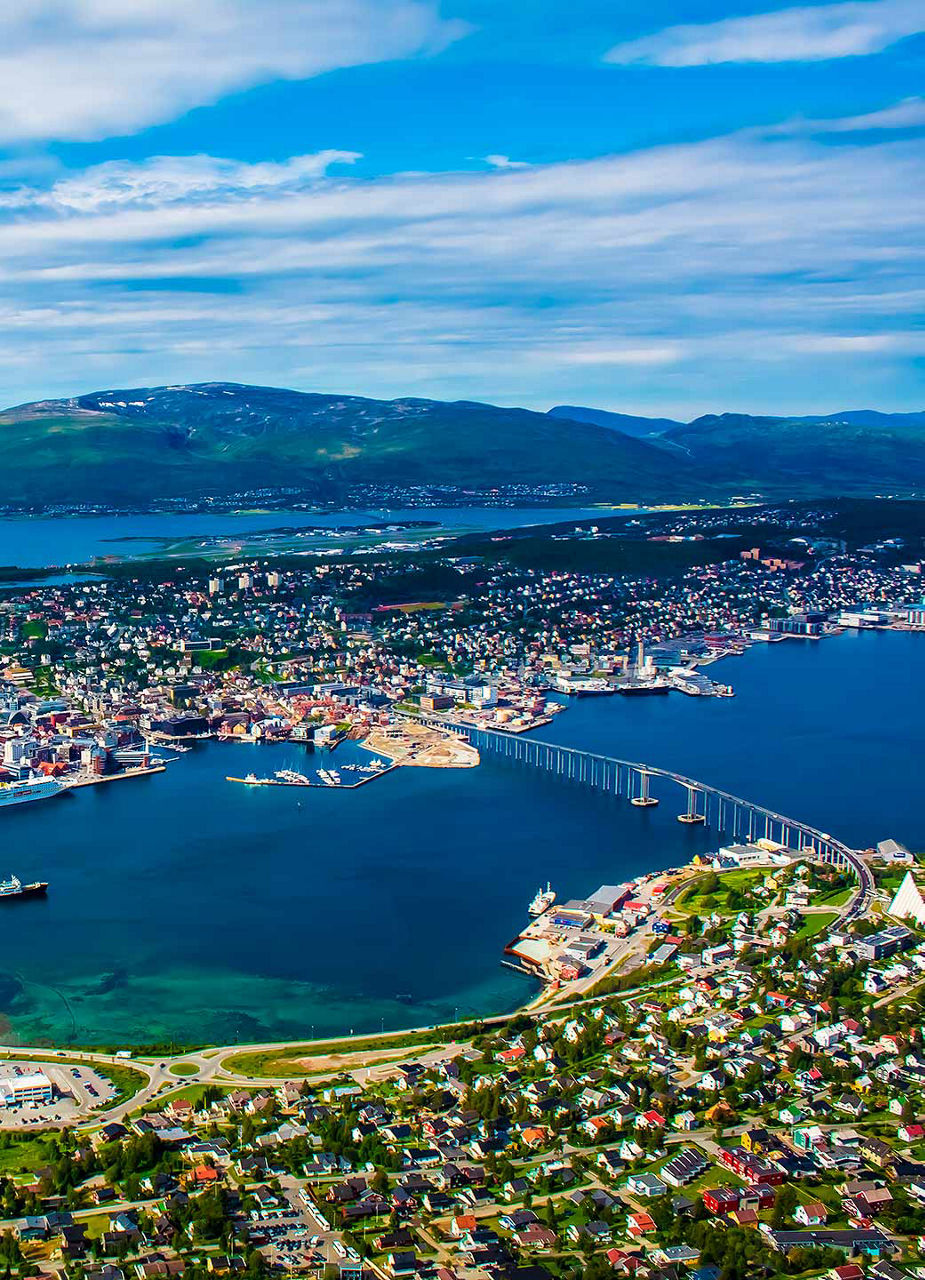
point(835, 898)
point(190, 1093)
point(817, 923)
point(742, 879)
point(124, 1080)
point(184, 1069)
point(21, 1154)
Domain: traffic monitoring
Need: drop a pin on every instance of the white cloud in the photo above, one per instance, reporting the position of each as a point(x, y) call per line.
point(164, 180)
point(804, 34)
point(505, 162)
point(909, 114)
point(88, 69)
point(643, 356)
point(662, 268)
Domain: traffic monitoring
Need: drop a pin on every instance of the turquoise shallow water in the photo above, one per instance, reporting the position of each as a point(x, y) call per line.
point(185, 907)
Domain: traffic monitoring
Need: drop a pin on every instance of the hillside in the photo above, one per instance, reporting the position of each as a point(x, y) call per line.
point(134, 447)
point(854, 452)
point(220, 438)
point(629, 423)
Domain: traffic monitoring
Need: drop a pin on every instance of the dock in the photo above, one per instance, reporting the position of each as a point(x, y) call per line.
point(92, 780)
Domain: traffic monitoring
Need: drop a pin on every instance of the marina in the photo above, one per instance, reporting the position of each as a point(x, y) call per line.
point(323, 780)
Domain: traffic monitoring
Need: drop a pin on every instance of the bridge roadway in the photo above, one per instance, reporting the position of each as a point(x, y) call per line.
point(734, 817)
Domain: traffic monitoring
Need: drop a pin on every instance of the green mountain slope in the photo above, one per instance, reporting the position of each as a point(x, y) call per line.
point(862, 452)
point(133, 447)
point(629, 423)
point(219, 438)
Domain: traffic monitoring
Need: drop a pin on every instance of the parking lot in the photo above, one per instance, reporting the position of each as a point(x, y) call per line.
point(297, 1234)
point(77, 1090)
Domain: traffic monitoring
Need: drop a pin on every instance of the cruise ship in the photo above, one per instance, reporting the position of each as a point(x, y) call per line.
point(28, 789)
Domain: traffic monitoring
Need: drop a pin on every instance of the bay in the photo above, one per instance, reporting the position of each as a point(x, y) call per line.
point(187, 908)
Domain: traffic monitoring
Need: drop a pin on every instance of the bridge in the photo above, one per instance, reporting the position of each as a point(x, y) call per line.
point(736, 818)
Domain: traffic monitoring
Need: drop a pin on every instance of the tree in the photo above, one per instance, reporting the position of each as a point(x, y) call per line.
point(785, 1201)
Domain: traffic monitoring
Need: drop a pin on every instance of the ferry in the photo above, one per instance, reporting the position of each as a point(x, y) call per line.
point(543, 900)
point(29, 789)
point(14, 888)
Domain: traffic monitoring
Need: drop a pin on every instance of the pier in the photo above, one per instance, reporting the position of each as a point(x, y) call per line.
point(735, 817)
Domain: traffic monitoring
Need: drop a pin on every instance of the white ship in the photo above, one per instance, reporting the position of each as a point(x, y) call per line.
point(29, 789)
point(543, 900)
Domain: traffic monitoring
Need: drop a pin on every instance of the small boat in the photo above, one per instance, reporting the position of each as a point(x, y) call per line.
point(14, 888)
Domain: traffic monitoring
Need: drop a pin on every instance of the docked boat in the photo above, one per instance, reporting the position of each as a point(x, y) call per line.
point(29, 789)
point(543, 900)
point(14, 888)
point(641, 688)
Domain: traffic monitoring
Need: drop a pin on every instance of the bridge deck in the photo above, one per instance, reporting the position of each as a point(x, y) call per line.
point(740, 818)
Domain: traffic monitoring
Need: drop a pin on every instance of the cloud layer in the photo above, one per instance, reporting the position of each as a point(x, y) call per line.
point(671, 270)
point(805, 34)
point(85, 69)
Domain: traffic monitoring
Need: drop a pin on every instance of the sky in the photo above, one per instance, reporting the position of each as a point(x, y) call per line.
point(660, 207)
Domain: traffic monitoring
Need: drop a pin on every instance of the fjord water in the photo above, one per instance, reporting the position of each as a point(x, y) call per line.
point(188, 908)
point(36, 542)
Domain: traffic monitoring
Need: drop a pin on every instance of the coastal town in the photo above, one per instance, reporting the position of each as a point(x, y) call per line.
point(95, 673)
point(746, 1101)
point(720, 1074)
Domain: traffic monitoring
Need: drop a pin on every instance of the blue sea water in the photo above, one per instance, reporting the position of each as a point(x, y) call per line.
point(35, 542)
point(189, 908)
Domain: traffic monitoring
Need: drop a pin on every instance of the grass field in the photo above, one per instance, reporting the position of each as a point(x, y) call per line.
point(188, 1093)
point(817, 923)
point(184, 1069)
point(693, 900)
point(124, 1080)
point(24, 1154)
point(836, 898)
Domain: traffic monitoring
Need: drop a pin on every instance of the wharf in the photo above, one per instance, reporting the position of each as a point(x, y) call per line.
point(92, 780)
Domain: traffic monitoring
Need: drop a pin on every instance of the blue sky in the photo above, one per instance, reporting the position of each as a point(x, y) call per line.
point(649, 207)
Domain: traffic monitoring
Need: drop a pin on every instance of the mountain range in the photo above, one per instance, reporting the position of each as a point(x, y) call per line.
point(136, 446)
